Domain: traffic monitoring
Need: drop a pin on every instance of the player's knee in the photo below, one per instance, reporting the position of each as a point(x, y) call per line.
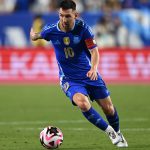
point(82, 102)
point(84, 105)
point(109, 110)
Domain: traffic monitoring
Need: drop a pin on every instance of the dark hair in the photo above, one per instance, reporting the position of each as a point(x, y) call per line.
point(67, 4)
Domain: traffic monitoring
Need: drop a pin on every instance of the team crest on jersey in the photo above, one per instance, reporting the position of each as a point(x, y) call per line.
point(76, 39)
point(66, 40)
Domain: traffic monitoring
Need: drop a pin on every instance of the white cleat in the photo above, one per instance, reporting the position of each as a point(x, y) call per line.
point(123, 142)
point(114, 137)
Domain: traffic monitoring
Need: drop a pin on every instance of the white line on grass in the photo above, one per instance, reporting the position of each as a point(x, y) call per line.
point(87, 129)
point(65, 121)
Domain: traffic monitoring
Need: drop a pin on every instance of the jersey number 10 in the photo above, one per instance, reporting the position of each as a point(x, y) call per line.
point(68, 52)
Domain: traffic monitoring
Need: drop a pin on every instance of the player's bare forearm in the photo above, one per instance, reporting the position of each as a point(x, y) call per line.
point(92, 73)
point(34, 36)
point(94, 58)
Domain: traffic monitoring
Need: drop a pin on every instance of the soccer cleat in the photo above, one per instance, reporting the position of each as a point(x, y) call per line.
point(114, 137)
point(123, 142)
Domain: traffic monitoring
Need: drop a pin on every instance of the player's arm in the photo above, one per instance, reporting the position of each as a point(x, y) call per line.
point(94, 58)
point(92, 73)
point(91, 45)
point(34, 36)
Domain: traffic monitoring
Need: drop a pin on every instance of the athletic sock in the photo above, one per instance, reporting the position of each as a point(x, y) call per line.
point(114, 120)
point(94, 117)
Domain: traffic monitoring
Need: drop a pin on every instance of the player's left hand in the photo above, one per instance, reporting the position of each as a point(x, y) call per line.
point(92, 74)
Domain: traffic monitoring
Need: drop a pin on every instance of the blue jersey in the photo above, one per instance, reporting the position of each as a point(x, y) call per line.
point(72, 54)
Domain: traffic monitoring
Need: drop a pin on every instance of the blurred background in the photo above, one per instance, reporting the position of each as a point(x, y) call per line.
point(30, 96)
point(121, 27)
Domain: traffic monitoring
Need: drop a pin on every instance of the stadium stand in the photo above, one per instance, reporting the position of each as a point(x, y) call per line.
point(115, 22)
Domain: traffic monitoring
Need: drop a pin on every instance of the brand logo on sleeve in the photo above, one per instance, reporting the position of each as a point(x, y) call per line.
point(56, 42)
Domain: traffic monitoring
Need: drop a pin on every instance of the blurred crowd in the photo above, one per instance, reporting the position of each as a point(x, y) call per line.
point(124, 23)
point(45, 6)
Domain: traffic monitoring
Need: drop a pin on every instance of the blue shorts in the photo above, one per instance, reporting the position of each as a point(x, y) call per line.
point(93, 92)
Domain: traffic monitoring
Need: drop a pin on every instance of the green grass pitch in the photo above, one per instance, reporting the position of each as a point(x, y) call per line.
point(26, 109)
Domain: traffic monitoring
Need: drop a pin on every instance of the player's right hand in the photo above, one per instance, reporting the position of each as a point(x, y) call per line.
point(32, 34)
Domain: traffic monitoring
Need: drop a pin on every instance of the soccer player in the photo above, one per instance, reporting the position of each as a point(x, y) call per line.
point(77, 57)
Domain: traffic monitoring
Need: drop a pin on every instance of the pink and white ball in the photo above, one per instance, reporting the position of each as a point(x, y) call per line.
point(51, 137)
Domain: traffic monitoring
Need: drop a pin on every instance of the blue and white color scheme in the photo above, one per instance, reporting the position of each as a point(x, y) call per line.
point(71, 52)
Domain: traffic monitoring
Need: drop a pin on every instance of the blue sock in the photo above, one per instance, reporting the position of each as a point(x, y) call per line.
point(94, 117)
point(114, 120)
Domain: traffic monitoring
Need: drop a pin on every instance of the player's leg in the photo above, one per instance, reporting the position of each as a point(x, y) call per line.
point(112, 117)
point(78, 96)
point(110, 112)
point(94, 117)
point(101, 95)
point(88, 111)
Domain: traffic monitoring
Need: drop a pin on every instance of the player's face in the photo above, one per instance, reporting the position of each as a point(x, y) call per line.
point(67, 18)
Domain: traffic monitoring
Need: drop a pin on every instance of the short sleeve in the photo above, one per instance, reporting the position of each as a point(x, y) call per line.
point(88, 34)
point(89, 38)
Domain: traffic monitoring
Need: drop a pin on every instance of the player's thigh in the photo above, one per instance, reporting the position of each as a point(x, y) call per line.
point(71, 90)
point(107, 105)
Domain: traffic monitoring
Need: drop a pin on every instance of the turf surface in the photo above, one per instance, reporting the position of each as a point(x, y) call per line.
point(26, 109)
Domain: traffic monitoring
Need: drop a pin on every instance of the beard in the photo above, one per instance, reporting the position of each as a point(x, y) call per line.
point(67, 27)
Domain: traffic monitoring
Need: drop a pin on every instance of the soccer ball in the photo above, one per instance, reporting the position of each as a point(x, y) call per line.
point(51, 137)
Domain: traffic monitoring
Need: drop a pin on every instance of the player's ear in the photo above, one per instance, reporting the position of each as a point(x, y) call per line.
point(76, 15)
